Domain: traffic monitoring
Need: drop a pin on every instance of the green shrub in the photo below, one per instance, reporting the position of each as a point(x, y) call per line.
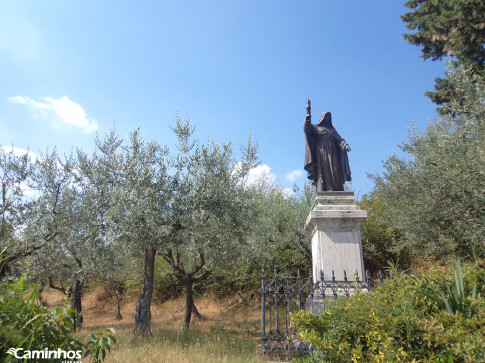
point(24, 324)
point(404, 320)
point(167, 286)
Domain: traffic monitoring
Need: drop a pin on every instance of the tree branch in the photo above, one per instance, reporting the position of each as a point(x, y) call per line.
point(62, 288)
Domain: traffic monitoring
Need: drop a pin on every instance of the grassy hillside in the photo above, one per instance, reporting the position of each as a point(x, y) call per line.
point(230, 333)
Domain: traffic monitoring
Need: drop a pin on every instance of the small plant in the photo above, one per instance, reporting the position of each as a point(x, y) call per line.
point(217, 328)
point(454, 298)
point(99, 343)
point(26, 325)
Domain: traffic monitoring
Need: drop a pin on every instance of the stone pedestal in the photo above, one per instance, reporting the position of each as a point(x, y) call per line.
point(335, 222)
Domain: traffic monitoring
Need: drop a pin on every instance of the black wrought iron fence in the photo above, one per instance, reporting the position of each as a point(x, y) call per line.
point(282, 296)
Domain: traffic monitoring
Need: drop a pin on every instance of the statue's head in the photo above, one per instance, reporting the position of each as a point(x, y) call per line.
point(325, 119)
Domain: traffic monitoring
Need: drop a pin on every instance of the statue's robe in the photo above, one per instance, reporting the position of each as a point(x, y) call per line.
point(326, 163)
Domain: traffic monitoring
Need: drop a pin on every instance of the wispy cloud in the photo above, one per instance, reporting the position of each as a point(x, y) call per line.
point(58, 111)
point(294, 175)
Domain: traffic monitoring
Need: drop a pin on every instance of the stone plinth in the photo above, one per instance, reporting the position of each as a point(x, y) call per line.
point(335, 222)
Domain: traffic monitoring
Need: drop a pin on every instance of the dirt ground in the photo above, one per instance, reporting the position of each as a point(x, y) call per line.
point(99, 310)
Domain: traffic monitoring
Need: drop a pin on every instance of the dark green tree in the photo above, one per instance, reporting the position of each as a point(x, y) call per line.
point(448, 28)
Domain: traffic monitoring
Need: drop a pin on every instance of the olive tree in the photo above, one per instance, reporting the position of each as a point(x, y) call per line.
point(15, 174)
point(58, 218)
point(434, 193)
point(212, 208)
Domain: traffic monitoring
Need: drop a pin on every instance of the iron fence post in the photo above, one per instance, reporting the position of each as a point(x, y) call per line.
point(287, 302)
point(369, 280)
point(334, 287)
point(311, 290)
point(276, 296)
point(263, 311)
point(346, 287)
point(300, 291)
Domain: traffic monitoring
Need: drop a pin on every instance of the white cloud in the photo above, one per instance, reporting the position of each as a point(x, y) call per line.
point(293, 175)
point(262, 178)
point(259, 173)
point(58, 111)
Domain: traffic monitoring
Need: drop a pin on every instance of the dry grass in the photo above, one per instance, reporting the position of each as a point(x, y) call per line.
point(230, 333)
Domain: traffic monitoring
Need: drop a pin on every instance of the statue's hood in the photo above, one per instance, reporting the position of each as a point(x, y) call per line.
point(325, 119)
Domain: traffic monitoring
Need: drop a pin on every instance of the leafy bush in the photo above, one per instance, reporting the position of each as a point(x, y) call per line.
point(404, 320)
point(26, 325)
point(167, 287)
point(381, 241)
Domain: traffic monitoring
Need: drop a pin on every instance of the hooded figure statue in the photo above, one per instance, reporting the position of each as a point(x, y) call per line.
point(326, 160)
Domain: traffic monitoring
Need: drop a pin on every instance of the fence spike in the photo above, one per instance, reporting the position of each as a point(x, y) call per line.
point(381, 276)
point(369, 281)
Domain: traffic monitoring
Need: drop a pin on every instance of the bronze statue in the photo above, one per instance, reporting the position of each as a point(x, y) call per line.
point(326, 160)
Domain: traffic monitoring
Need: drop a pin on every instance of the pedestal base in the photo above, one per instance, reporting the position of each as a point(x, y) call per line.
point(335, 222)
point(318, 304)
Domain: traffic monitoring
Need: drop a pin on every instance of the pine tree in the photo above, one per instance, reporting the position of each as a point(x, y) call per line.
point(448, 28)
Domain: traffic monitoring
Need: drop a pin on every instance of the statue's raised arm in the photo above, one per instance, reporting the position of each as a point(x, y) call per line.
point(326, 160)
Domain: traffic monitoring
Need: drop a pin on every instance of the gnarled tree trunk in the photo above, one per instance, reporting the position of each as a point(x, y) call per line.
point(76, 304)
point(143, 314)
point(117, 288)
point(188, 279)
point(189, 302)
point(118, 309)
point(197, 314)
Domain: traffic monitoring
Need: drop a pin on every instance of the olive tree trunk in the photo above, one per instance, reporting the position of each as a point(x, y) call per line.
point(118, 308)
point(143, 314)
point(76, 305)
point(189, 303)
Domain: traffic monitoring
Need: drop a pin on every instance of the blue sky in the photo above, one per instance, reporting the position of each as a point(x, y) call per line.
point(73, 68)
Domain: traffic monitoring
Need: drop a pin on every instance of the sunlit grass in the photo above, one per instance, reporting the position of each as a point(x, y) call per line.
point(229, 334)
point(172, 345)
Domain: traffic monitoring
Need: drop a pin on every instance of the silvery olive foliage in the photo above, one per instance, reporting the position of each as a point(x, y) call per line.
point(15, 173)
point(211, 209)
point(435, 192)
point(210, 202)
